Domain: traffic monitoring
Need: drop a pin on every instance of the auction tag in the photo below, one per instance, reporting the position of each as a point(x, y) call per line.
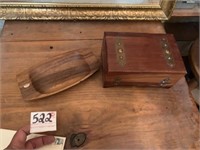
point(43, 121)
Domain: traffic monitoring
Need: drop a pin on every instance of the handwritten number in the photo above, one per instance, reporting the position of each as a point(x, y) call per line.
point(36, 118)
point(42, 118)
point(48, 119)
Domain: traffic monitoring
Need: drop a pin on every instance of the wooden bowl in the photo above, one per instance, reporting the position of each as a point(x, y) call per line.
point(57, 74)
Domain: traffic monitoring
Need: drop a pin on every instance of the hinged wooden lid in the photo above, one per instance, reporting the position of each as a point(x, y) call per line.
point(141, 53)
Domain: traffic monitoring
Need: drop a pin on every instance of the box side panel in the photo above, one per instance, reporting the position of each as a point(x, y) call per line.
point(150, 80)
point(104, 59)
point(179, 66)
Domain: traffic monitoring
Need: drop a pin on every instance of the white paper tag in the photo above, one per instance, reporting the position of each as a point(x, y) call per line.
point(43, 121)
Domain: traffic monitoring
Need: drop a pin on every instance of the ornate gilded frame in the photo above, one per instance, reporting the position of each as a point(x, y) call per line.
point(67, 11)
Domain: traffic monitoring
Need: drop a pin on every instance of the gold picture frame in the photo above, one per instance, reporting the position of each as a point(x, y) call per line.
point(84, 11)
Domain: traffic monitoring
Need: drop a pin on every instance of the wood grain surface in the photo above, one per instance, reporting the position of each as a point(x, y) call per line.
point(194, 59)
point(120, 117)
point(138, 58)
point(57, 74)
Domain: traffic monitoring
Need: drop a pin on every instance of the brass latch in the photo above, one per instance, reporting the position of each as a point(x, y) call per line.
point(165, 82)
point(117, 81)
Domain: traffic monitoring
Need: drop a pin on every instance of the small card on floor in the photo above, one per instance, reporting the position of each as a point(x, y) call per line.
point(7, 135)
point(43, 121)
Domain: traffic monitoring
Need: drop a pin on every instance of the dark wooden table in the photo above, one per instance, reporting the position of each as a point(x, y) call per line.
point(120, 117)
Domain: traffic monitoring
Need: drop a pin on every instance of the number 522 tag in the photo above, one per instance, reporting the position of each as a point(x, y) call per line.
point(43, 121)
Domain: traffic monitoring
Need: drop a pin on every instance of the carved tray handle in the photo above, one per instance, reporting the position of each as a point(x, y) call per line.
point(57, 74)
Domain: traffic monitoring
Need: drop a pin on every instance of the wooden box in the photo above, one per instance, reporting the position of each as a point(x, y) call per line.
point(141, 59)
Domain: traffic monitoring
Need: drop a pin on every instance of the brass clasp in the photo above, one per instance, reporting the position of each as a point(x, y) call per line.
point(165, 82)
point(117, 81)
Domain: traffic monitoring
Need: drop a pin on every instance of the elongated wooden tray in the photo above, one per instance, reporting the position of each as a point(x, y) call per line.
point(57, 74)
